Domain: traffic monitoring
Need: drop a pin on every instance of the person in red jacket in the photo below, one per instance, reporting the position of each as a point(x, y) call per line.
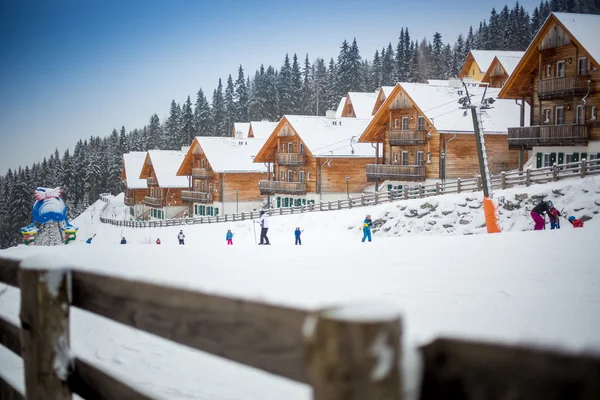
point(577, 223)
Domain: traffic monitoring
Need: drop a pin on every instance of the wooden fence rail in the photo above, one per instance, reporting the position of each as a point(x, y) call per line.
point(334, 350)
point(503, 180)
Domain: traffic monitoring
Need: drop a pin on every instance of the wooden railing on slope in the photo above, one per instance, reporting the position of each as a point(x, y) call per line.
point(503, 180)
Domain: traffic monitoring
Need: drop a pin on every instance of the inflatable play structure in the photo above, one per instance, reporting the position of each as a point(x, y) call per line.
point(49, 209)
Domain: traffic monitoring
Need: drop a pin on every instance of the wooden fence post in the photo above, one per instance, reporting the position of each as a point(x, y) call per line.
point(354, 355)
point(45, 295)
point(362, 199)
point(479, 183)
point(503, 180)
point(376, 197)
point(339, 206)
point(437, 188)
point(405, 189)
point(458, 185)
point(554, 172)
point(329, 205)
point(583, 166)
point(420, 191)
point(528, 177)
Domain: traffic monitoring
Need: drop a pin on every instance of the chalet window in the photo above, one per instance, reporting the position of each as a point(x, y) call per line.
point(283, 147)
point(395, 158)
point(301, 176)
point(210, 188)
point(548, 71)
point(301, 148)
point(582, 66)
point(308, 176)
point(428, 156)
point(282, 176)
point(569, 158)
point(290, 175)
point(593, 157)
point(203, 187)
point(547, 162)
point(593, 113)
point(419, 158)
point(579, 116)
point(396, 123)
point(405, 158)
point(560, 69)
point(203, 163)
point(547, 116)
point(473, 72)
point(404, 123)
point(559, 116)
point(421, 123)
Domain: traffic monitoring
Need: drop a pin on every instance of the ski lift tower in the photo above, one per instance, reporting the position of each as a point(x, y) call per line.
point(489, 207)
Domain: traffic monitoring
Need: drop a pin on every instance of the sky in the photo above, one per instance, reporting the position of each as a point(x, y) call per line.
point(70, 69)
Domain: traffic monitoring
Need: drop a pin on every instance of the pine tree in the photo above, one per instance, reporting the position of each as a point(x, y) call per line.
point(376, 71)
point(187, 125)
point(437, 58)
point(457, 57)
point(154, 133)
point(320, 86)
point(284, 87)
point(448, 62)
point(258, 97)
point(218, 112)
point(271, 95)
point(332, 98)
point(400, 53)
point(202, 115)
point(230, 109)
point(296, 87)
point(469, 42)
point(172, 128)
point(388, 73)
point(123, 142)
point(306, 106)
point(241, 97)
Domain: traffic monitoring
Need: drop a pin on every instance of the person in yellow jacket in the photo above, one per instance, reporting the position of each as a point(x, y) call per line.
point(366, 227)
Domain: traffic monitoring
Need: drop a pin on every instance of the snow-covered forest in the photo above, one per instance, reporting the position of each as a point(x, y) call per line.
point(299, 86)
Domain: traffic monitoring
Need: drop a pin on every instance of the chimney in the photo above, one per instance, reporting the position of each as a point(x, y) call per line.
point(330, 114)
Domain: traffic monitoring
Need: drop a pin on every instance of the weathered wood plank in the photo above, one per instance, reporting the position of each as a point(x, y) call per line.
point(92, 383)
point(466, 370)
point(45, 332)
point(259, 335)
point(10, 336)
point(7, 392)
point(9, 271)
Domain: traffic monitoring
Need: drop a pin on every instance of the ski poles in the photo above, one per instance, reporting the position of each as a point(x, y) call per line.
point(254, 228)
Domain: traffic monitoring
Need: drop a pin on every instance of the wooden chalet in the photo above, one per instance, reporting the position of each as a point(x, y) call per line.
point(478, 62)
point(164, 186)
point(135, 188)
point(222, 175)
point(421, 133)
point(558, 77)
point(314, 158)
point(358, 105)
point(501, 68)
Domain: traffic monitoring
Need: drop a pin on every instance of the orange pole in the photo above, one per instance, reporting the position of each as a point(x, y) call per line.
point(491, 215)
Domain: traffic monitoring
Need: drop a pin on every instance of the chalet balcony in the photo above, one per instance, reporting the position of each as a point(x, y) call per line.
point(196, 197)
point(378, 172)
point(290, 159)
point(399, 137)
point(280, 187)
point(548, 135)
point(129, 201)
point(558, 88)
point(201, 173)
point(154, 201)
point(152, 181)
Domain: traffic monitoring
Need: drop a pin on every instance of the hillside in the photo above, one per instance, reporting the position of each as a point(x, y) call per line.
point(512, 287)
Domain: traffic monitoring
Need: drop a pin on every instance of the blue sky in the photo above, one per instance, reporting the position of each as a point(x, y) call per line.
point(73, 68)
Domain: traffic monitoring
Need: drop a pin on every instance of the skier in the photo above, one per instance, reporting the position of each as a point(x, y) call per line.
point(264, 225)
point(537, 214)
point(181, 237)
point(123, 241)
point(577, 223)
point(297, 233)
point(157, 240)
point(367, 224)
point(554, 216)
point(229, 237)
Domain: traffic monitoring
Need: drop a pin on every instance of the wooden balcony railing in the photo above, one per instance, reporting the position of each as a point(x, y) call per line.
point(196, 197)
point(560, 87)
point(548, 135)
point(201, 173)
point(377, 172)
point(399, 137)
point(272, 187)
point(154, 201)
point(290, 159)
point(152, 181)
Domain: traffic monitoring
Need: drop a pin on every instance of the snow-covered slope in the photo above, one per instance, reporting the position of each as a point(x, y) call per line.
point(516, 286)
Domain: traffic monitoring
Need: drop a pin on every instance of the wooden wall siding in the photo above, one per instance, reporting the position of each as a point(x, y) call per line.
point(462, 161)
point(477, 75)
point(137, 194)
point(496, 81)
point(246, 183)
point(173, 196)
point(556, 37)
point(334, 176)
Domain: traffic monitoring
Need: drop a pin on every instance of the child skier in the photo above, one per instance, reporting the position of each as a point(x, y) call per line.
point(554, 216)
point(297, 233)
point(229, 237)
point(367, 224)
point(577, 223)
point(181, 237)
point(538, 214)
point(123, 241)
point(157, 240)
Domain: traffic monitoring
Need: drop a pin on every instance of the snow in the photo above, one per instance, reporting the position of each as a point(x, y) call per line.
point(242, 127)
point(518, 287)
point(584, 28)
point(362, 103)
point(228, 155)
point(510, 61)
point(484, 58)
point(340, 108)
point(166, 163)
point(133, 163)
point(363, 312)
point(330, 137)
point(262, 129)
point(438, 82)
point(440, 105)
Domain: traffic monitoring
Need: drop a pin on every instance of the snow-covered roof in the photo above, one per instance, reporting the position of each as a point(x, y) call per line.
point(510, 62)
point(440, 106)
point(133, 163)
point(438, 82)
point(362, 103)
point(340, 108)
point(584, 29)
point(228, 155)
point(387, 90)
point(243, 127)
point(262, 129)
point(330, 137)
point(166, 163)
point(484, 58)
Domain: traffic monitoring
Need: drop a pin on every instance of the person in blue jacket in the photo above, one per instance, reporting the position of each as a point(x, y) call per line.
point(297, 233)
point(123, 241)
point(367, 224)
point(229, 237)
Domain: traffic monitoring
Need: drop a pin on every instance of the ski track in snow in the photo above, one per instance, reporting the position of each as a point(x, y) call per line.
point(517, 287)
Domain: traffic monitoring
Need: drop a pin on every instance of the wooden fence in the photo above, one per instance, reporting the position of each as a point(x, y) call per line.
point(342, 355)
point(503, 180)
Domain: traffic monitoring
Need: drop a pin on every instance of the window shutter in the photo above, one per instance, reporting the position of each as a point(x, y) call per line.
point(584, 155)
point(552, 158)
point(278, 202)
point(561, 158)
point(538, 160)
point(575, 157)
point(389, 187)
